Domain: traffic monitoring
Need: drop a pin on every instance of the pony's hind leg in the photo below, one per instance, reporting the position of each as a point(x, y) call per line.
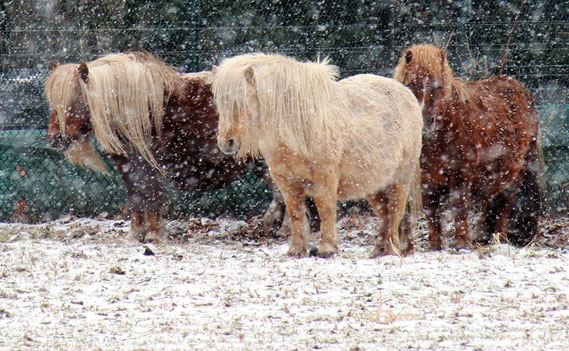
point(154, 226)
point(406, 232)
point(504, 204)
point(460, 205)
point(378, 203)
point(397, 195)
point(137, 225)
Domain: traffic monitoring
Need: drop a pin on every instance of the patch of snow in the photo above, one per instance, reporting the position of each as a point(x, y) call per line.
point(85, 284)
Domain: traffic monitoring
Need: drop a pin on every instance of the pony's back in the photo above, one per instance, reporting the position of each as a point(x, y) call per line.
point(381, 125)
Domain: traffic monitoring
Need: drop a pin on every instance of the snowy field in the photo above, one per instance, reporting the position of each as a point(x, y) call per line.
point(82, 284)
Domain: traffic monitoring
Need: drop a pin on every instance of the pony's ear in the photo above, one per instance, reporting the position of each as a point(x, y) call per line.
point(443, 55)
point(408, 56)
point(446, 74)
point(214, 69)
point(83, 72)
point(52, 66)
point(250, 75)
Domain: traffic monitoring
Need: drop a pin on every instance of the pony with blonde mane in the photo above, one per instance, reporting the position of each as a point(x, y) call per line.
point(124, 93)
point(153, 122)
point(481, 143)
point(359, 137)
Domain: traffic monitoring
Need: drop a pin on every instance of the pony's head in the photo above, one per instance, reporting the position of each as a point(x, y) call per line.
point(238, 107)
point(120, 97)
point(425, 70)
point(267, 99)
point(70, 120)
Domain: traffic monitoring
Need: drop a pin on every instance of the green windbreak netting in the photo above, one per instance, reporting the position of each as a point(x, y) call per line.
point(37, 183)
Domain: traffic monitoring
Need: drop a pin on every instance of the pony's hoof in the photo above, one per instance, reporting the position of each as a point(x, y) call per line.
point(326, 254)
point(274, 226)
point(313, 252)
point(409, 250)
point(461, 244)
point(296, 252)
point(151, 238)
point(499, 238)
point(391, 250)
point(137, 235)
point(376, 252)
point(327, 250)
point(283, 232)
point(435, 245)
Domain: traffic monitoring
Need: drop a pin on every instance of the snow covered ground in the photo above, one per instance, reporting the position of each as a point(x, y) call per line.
point(82, 284)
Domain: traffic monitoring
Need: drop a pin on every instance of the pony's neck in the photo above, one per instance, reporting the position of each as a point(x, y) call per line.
point(441, 111)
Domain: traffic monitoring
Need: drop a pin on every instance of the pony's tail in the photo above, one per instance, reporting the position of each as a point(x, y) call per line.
point(528, 208)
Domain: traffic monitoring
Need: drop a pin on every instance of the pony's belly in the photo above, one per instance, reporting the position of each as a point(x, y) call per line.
point(489, 183)
point(362, 184)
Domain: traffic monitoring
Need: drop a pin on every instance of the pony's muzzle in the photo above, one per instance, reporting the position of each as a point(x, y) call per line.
point(58, 142)
point(230, 146)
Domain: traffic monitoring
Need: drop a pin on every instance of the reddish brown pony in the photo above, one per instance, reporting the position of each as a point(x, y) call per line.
point(481, 143)
point(173, 135)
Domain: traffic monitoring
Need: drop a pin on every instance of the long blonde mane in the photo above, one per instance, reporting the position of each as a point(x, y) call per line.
point(294, 100)
point(62, 89)
point(432, 62)
point(125, 94)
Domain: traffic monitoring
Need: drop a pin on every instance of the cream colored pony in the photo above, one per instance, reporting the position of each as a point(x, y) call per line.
point(332, 140)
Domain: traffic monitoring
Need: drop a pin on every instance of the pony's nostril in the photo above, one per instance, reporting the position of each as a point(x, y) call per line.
point(230, 146)
point(59, 142)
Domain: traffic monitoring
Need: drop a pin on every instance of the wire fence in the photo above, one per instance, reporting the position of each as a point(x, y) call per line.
point(526, 40)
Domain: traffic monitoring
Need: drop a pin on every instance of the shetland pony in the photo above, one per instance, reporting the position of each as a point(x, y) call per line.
point(332, 140)
point(481, 143)
point(153, 121)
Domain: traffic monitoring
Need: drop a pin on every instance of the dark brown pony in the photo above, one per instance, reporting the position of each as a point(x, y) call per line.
point(154, 122)
point(481, 144)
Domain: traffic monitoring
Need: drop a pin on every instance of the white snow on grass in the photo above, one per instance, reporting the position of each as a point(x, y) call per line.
point(83, 284)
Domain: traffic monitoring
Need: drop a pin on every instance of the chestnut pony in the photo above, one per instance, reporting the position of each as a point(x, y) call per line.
point(153, 122)
point(331, 140)
point(481, 143)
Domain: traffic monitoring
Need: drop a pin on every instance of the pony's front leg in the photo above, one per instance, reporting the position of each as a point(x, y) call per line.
point(144, 191)
point(276, 219)
point(274, 216)
point(294, 199)
point(432, 201)
point(325, 194)
point(137, 218)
